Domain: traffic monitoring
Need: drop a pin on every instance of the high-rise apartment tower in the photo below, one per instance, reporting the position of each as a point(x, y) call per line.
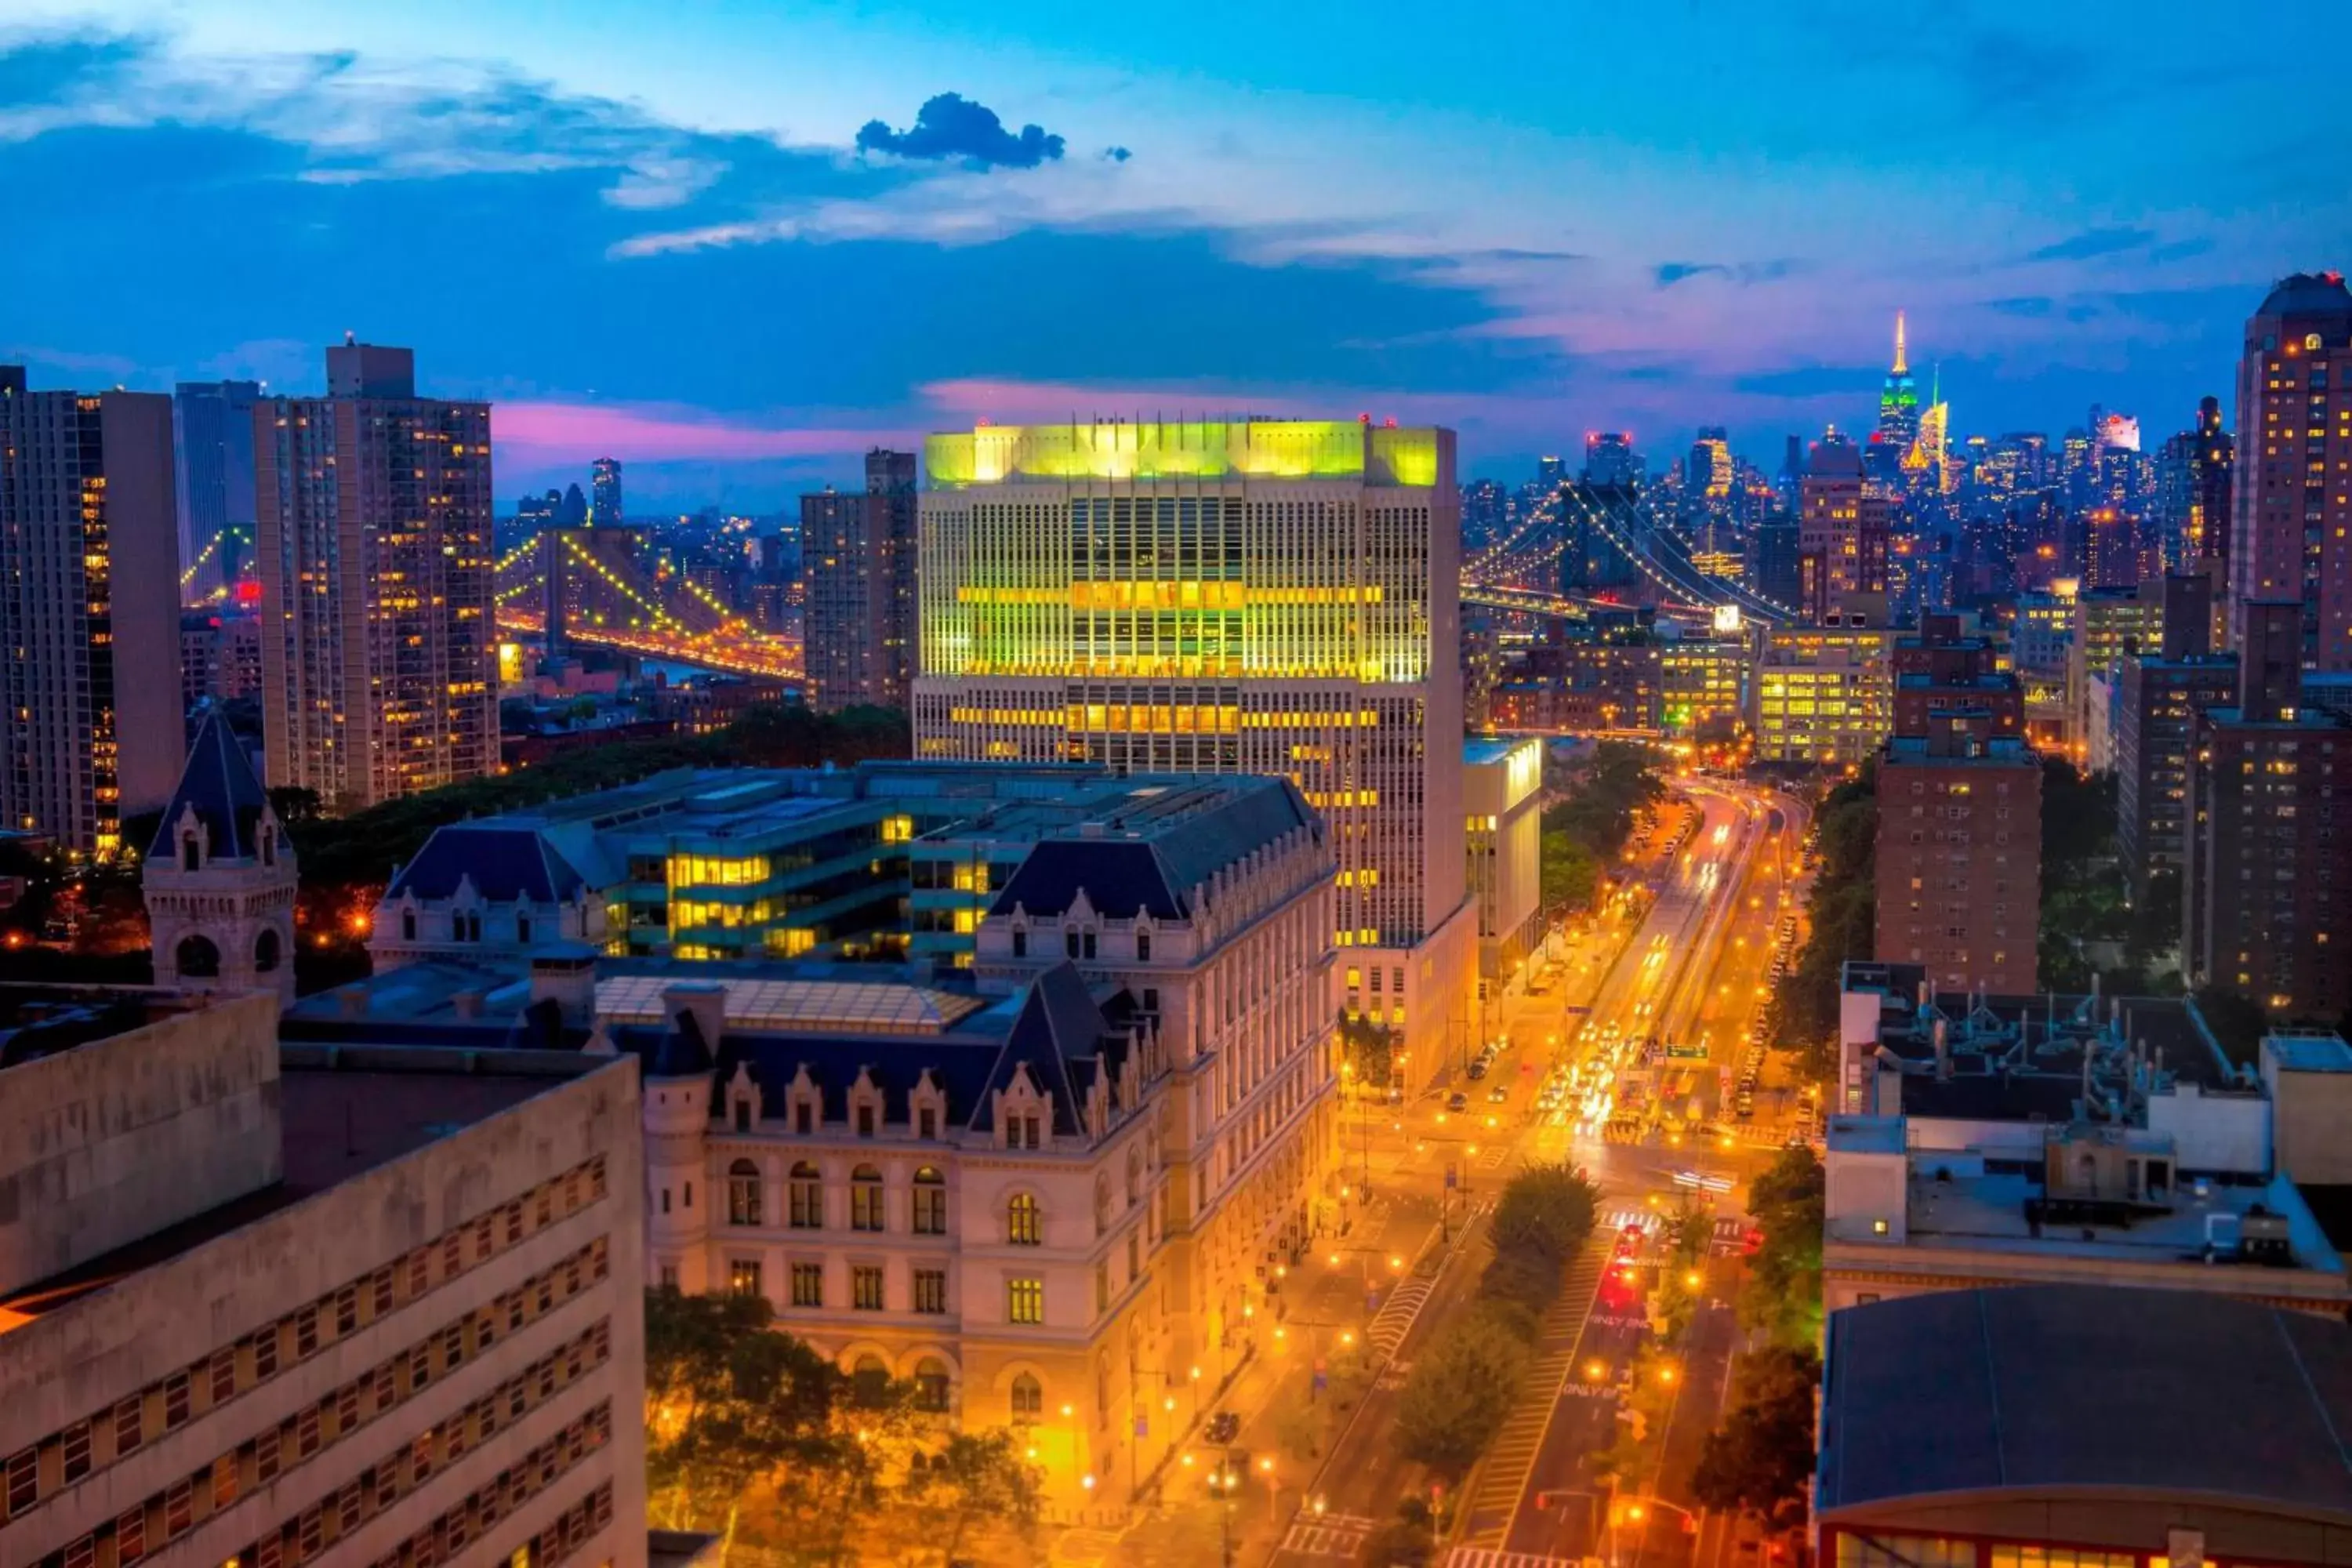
point(376, 565)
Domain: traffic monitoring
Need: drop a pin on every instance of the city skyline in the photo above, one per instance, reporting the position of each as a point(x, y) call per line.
point(1433, 234)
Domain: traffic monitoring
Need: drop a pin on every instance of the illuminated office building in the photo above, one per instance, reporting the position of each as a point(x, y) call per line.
point(1824, 695)
point(90, 612)
point(2293, 503)
point(1609, 458)
point(1271, 597)
point(1703, 684)
point(378, 651)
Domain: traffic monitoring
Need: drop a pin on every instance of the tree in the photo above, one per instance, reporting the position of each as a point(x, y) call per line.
point(978, 1478)
point(1364, 1048)
point(1548, 1210)
point(1568, 873)
point(1760, 1459)
point(1783, 1294)
point(1456, 1398)
point(731, 1404)
point(1841, 912)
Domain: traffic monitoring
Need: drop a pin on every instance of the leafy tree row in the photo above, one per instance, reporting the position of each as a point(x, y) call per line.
point(1841, 909)
point(1588, 829)
point(1459, 1392)
point(751, 1434)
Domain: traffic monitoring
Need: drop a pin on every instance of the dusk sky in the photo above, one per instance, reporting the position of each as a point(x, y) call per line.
point(734, 244)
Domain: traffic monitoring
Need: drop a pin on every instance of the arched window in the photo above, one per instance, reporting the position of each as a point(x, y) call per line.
point(198, 959)
point(866, 1198)
point(869, 1380)
point(932, 1385)
point(1134, 1175)
point(269, 846)
point(931, 1202)
point(1022, 1226)
point(1102, 1201)
point(743, 1192)
point(807, 1197)
point(265, 952)
point(190, 853)
point(408, 925)
point(1028, 1398)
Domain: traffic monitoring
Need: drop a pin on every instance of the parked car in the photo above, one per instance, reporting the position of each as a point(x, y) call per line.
point(1457, 1100)
point(1224, 1427)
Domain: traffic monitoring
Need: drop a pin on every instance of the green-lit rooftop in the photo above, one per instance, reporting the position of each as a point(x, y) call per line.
point(1190, 450)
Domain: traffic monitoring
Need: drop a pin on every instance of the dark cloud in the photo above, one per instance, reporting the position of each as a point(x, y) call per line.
point(2022, 305)
point(2180, 251)
point(1673, 272)
point(953, 126)
point(47, 70)
point(2093, 242)
point(1116, 154)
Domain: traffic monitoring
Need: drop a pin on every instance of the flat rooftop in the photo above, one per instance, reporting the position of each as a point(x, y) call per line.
point(1986, 1211)
point(2310, 1053)
point(338, 1121)
point(38, 1021)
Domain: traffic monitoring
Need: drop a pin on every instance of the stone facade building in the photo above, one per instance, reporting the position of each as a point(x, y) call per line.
point(219, 880)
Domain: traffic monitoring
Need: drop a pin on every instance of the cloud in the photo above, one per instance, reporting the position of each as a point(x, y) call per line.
point(49, 68)
point(951, 126)
point(1116, 154)
point(543, 433)
point(2180, 251)
point(1673, 272)
point(2092, 243)
point(1809, 381)
point(2026, 305)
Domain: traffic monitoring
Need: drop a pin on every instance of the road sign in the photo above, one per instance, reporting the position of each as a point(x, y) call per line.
point(1453, 1177)
point(1572, 1007)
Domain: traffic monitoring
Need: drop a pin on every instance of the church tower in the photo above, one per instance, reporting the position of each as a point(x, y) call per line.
point(219, 879)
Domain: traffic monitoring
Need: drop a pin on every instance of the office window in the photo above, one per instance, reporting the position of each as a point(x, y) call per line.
point(743, 1276)
point(743, 1192)
point(807, 1197)
point(1024, 1300)
point(1022, 1226)
point(930, 1289)
point(808, 1284)
point(931, 1202)
point(866, 1288)
point(866, 1198)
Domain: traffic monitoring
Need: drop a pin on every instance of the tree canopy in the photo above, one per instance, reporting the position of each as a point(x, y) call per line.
point(1760, 1461)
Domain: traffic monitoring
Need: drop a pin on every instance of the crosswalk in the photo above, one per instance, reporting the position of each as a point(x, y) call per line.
point(1394, 1320)
point(1616, 1220)
point(1503, 1476)
point(1490, 1557)
point(1340, 1535)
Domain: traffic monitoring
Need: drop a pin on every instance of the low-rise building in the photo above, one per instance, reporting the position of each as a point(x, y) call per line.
point(1703, 684)
point(275, 1307)
point(1991, 1140)
point(1502, 785)
point(2077, 1425)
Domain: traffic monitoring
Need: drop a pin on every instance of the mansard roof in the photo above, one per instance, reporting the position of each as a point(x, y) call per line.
point(1148, 858)
point(505, 860)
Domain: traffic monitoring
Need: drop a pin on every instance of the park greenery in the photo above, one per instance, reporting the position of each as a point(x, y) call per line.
point(755, 1436)
point(1586, 830)
point(1459, 1392)
point(1841, 914)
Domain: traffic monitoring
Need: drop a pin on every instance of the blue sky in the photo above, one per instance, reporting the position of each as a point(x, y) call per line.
point(734, 243)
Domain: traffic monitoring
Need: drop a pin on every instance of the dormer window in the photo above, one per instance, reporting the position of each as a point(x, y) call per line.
point(1069, 937)
point(192, 854)
point(1020, 943)
point(1143, 946)
point(408, 925)
point(269, 846)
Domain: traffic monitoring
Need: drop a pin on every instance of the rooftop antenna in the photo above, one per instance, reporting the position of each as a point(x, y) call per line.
point(1902, 356)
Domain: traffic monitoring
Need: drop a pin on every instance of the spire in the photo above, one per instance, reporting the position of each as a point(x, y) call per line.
point(1901, 364)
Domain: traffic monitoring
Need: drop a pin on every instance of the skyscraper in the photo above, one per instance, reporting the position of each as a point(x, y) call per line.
point(376, 564)
point(1899, 401)
point(1843, 526)
point(2288, 537)
point(1609, 458)
point(860, 563)
point(212, 424)
point(1269, 597)
point(90, 612)
point(604, 509)
point(1707, 474)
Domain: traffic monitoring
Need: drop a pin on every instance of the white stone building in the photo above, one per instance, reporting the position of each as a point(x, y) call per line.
point(219, 880)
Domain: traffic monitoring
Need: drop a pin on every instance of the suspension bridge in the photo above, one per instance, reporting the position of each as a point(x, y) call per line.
point(1523, 570)
point(608, 595)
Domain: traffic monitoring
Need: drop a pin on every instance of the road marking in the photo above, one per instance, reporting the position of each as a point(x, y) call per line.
point(1502, 1475)
point(1333, 1535)
point(1395, 1319)
point(1490, 1557)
